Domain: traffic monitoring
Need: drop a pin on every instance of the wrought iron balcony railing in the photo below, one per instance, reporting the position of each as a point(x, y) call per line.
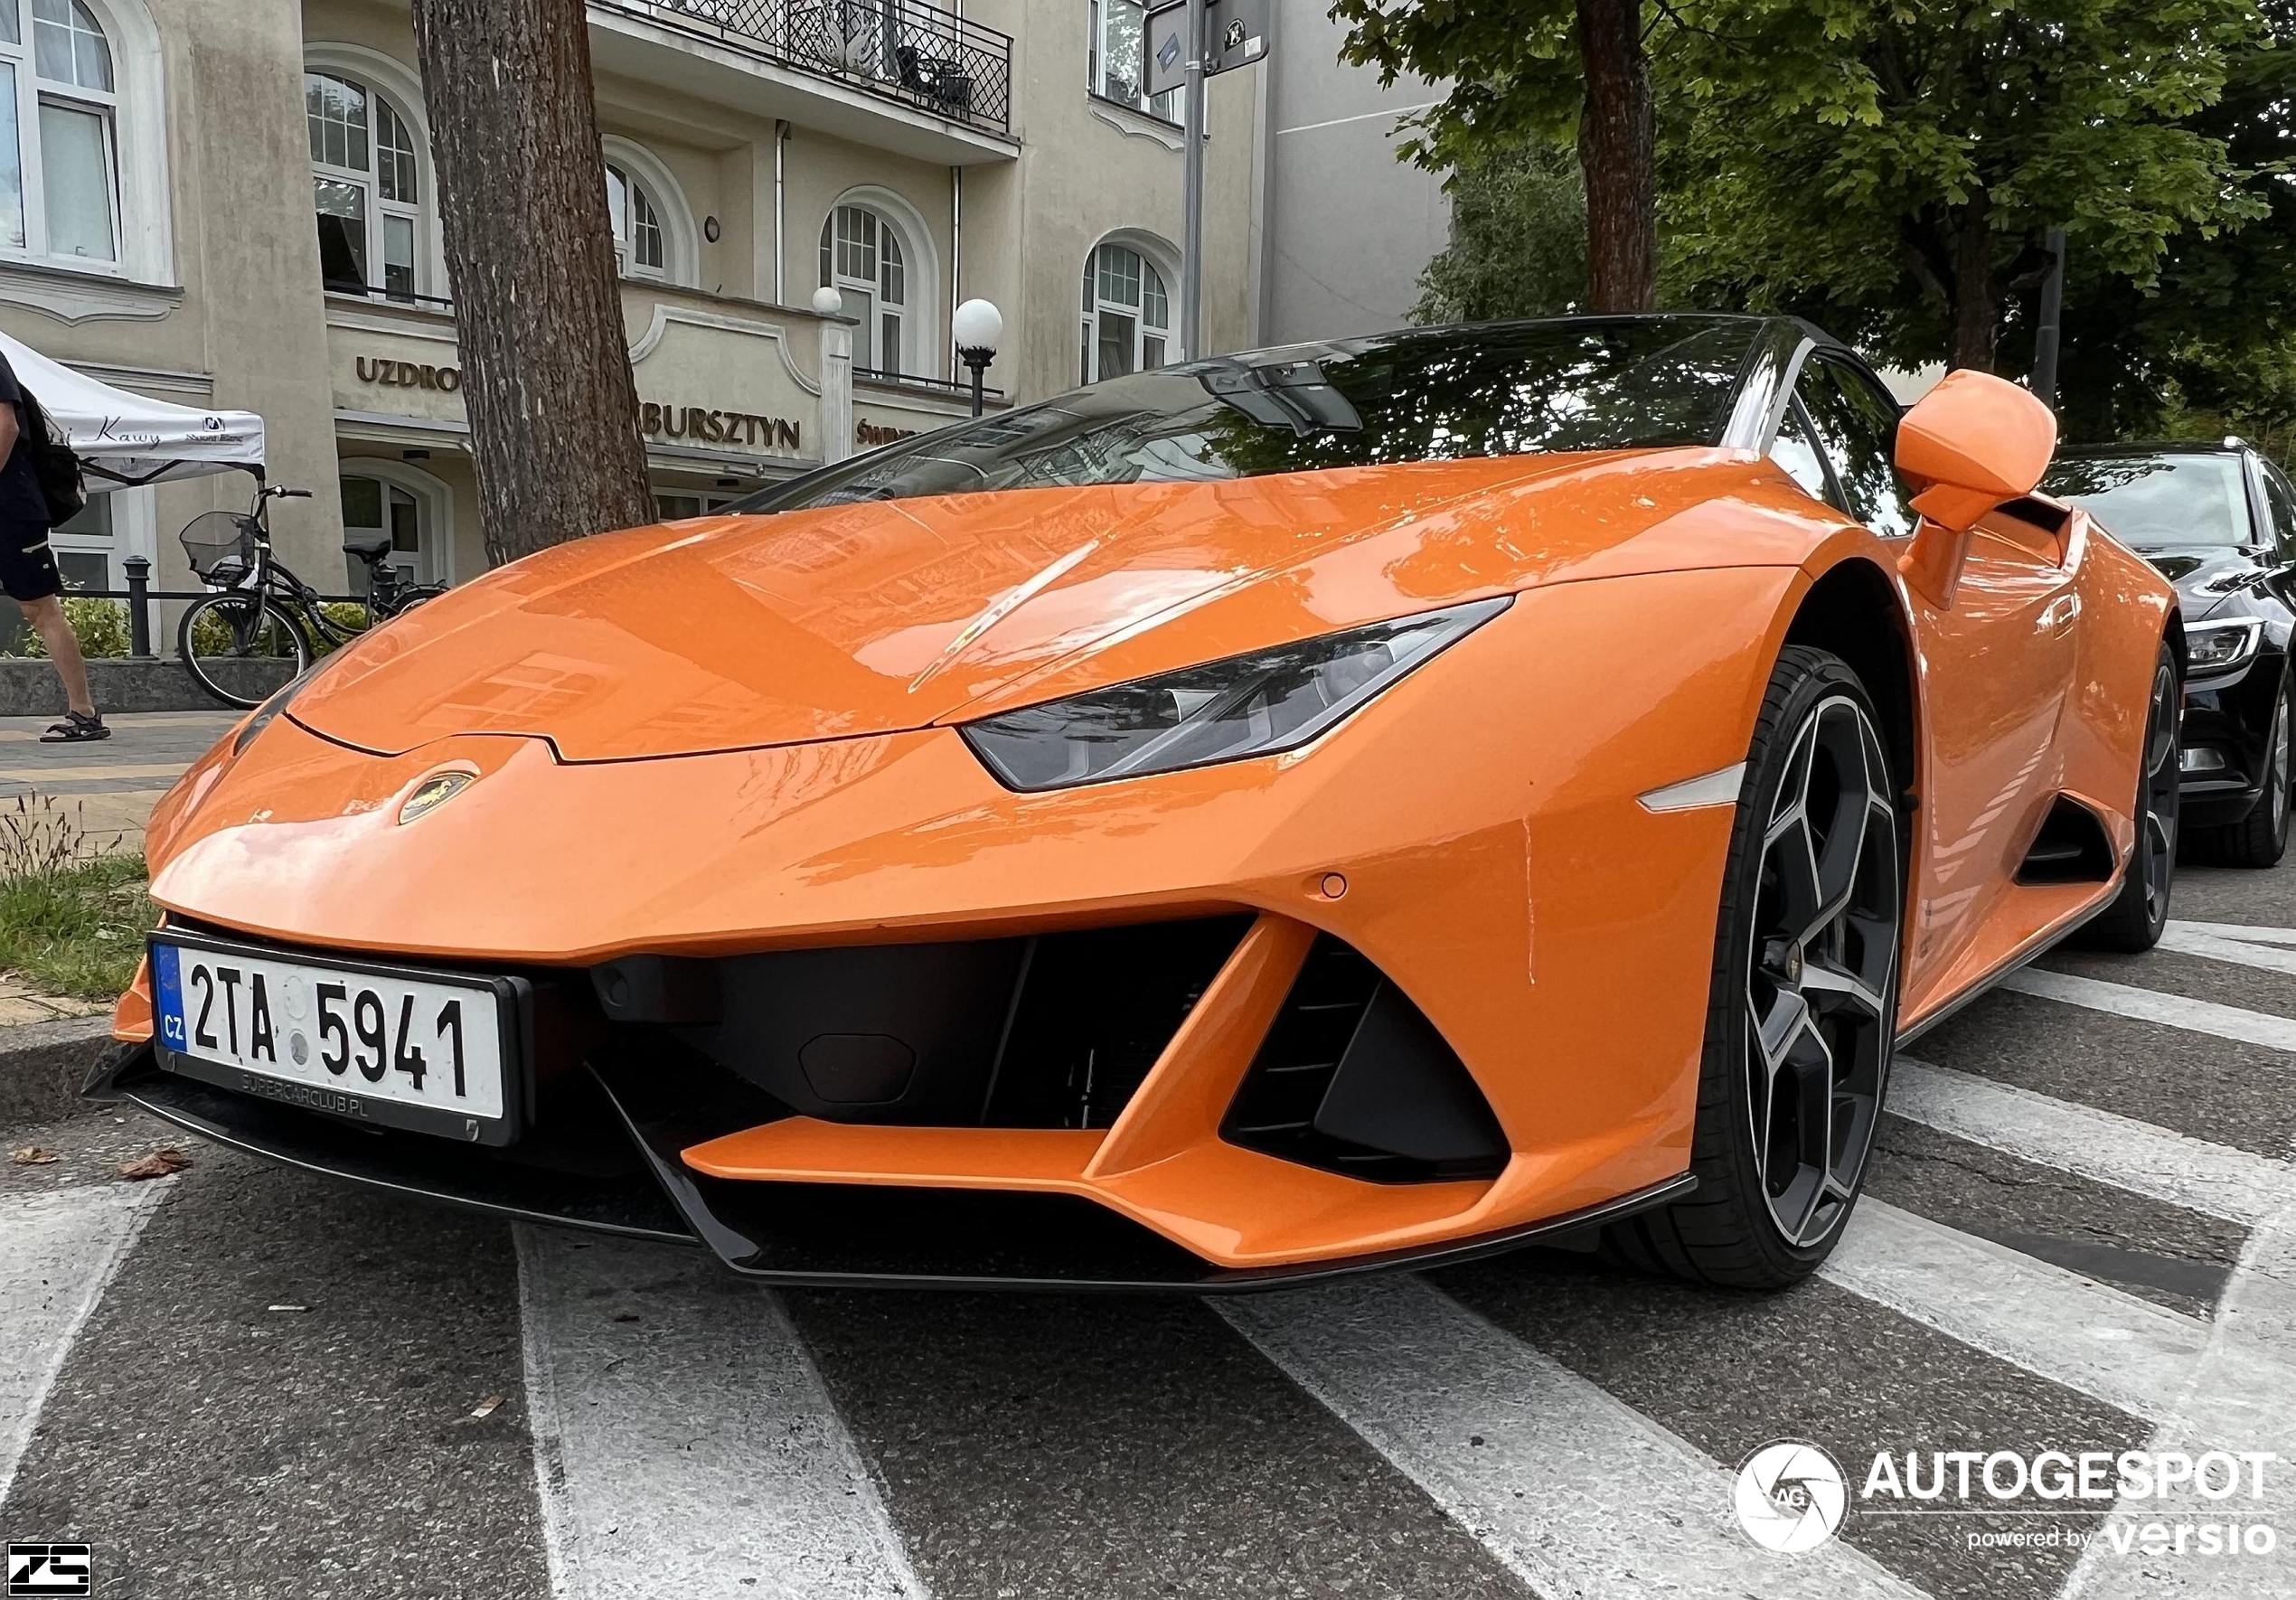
point(905, 50)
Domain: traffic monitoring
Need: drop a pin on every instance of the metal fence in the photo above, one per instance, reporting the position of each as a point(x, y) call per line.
point(901, 50)
point(140, 597)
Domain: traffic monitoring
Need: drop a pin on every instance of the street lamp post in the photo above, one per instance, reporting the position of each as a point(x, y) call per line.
point(2048, 326)
point(977, 327)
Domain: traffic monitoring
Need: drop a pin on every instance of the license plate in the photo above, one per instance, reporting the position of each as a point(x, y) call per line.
point(436, 1052)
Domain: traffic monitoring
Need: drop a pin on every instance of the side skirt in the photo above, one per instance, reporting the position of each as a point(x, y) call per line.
point(2032, 950)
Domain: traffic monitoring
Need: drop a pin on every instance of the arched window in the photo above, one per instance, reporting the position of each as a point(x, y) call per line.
point(59, 161)
point(862, 259)
point(407, 505)
point(367, 184)
point(639, 248)
point(1127, 315)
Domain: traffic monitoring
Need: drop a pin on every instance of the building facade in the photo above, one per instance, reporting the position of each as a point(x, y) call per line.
point(1347, 229)
point(232, 203)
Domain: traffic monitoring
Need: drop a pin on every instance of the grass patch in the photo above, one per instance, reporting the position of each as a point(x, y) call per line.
point(77, 929)
point(71, 918)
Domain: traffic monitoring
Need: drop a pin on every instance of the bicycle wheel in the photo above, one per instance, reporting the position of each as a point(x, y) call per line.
point(222, 638)
point(408, 598)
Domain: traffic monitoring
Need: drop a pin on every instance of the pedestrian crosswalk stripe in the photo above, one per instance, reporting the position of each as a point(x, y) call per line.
point(58, 1251)
point(683, 1443)
point(2138, 1156)
point(1577, 1493)
point(2238, 1398)
point(2151, 1005)
point(2237, 930)
point(2056, 1325)
point(2183, 938)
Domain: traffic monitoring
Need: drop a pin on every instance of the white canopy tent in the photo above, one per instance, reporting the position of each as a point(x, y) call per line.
point(124, 439)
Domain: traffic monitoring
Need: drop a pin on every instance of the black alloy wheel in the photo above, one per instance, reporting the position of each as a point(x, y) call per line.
point(2137, 916)
point(1802, 1016)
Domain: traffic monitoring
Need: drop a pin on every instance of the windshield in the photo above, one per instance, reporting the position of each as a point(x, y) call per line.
point(1447, 394)
point(2152, 502)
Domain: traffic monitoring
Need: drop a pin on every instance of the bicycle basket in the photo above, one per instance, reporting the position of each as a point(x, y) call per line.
point(217, 536)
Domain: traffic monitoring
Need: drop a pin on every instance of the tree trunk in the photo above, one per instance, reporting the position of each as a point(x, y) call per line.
point(530, 255)
point(1616, 137)
point(1976, 318)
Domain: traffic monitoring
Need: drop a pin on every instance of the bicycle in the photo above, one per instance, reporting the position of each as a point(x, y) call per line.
point(261, 611)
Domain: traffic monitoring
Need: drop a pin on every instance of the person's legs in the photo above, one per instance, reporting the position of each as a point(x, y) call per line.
point(47, 617)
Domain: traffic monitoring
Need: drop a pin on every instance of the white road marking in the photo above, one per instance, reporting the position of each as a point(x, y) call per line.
point(1576, 1493)
point(58, 1251)
point(2238, 1398)
point(2056, 1325)
point(2137, 1156)
point(2239, 930)
point(2150, 1005)
point(691, 1449)
point(2185, 938)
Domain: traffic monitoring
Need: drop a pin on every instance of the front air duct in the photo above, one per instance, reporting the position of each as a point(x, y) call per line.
point(1353, 1077)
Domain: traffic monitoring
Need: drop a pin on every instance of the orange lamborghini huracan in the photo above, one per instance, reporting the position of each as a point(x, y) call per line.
point(1276, 816)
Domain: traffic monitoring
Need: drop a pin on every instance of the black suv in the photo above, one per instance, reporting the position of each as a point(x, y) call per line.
point(2219, 522)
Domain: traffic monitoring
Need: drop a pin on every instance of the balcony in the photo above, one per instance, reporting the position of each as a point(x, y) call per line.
point(935, 73)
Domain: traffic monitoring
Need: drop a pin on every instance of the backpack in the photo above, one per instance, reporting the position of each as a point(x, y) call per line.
point(54, 467)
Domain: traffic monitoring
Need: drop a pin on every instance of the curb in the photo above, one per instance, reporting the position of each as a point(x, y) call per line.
point(44, 1064)
point(29, 687)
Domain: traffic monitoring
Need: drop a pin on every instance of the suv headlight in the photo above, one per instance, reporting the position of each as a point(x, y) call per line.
point(1250, 705)
point(2212, 648)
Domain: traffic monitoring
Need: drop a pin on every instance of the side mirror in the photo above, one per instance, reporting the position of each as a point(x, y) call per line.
point(1970, 445)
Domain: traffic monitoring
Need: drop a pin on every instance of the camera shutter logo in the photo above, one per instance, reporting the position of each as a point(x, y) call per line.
point(1791, 1496)
point(49, 1569)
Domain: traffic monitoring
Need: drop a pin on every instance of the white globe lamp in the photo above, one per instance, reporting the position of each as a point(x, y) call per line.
point(977, 328)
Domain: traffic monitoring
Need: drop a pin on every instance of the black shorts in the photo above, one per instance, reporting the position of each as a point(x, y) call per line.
point(29, 571)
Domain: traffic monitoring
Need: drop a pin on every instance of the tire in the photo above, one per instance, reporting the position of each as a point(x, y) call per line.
point(2133, 922)
point(237, 626)
point(1803, 996)
point(2261, 838)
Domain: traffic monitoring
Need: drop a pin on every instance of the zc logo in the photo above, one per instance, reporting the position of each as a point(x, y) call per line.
point(49, 1569)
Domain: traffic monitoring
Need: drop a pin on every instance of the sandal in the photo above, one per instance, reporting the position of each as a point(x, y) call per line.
point(77, 728)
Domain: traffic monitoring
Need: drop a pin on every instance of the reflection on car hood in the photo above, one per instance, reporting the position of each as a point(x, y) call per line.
point(836, 621)
point(2204, 574)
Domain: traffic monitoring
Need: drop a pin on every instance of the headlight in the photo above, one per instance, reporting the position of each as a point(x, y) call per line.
point(264, 715)
point(1225, 711)
point(2215, 647)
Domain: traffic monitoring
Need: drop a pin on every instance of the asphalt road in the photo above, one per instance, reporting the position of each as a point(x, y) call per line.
point(2080, 1236)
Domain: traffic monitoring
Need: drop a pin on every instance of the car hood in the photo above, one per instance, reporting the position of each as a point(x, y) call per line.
point(2206, 574)
point(876, 618)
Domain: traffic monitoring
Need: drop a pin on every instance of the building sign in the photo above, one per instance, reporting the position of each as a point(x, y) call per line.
point(696, 425)
point(408, 374)
point(870, 435)
point(691, 425)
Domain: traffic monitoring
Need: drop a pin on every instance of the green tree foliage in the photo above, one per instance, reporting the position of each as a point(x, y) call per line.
point(1558, 70)
point(2211, 348)
point(1888, 166)
point(1518, 237)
